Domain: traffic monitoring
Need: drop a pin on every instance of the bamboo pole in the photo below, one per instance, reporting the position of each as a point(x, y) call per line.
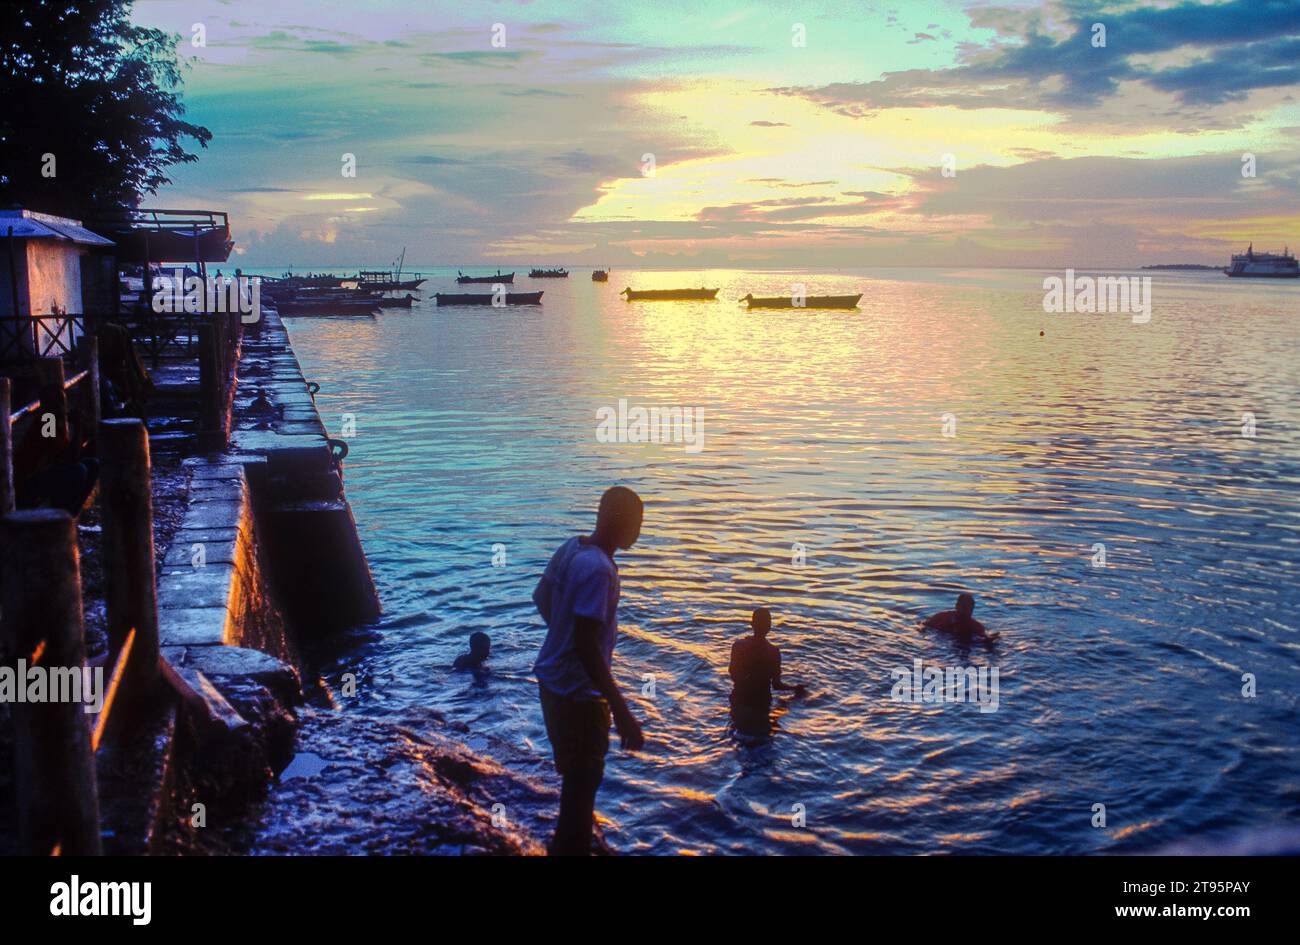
point(58, 805)
point(131, 595)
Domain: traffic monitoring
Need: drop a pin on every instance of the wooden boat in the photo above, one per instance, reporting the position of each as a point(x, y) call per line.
point(291, 307)
point(811, 301)
point(381, 281)
point(548, 274)
point(508, 278)
point(600, 275)
point(662, 295)
point(318, 293)
point(512, 298)
point(290, 281)
point(403, 302)
point(388, 281)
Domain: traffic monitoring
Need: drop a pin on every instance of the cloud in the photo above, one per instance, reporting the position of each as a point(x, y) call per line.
point(479, 57)
point(1254, 44)
point(782, 182)
point(526, 93)
point(428, 159)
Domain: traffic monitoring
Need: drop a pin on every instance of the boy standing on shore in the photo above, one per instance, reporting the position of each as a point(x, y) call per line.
point(578, 598)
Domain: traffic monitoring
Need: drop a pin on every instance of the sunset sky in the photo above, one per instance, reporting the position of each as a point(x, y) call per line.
point(766, 153)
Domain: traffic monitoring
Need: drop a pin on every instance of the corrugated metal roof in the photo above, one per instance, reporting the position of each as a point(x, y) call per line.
point(29, 225)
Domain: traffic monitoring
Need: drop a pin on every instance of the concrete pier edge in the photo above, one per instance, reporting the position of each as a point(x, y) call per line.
point(266, 554)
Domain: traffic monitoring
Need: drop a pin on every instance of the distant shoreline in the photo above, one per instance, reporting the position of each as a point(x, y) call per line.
point(418, 267)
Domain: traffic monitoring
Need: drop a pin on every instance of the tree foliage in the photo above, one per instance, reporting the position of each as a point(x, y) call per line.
point(80, 82)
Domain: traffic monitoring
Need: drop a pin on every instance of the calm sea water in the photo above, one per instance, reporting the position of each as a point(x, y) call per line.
point(1119, 685)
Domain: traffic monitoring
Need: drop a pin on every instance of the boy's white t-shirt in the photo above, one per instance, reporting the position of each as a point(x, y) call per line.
point(580, 581)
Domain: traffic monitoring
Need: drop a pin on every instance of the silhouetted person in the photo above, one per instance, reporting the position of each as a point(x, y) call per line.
point(578, 598)
point(960, 623)
point(755, 671)
point(480, 648)
point(261, 406)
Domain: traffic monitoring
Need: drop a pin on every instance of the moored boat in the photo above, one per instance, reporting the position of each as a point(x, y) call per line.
point(399, 302)
point(506, 278)
point(310, 281)
point(663, 295)
point(811, 301)
point(326, 306)
point(600, 275)
point(548, 274)
point(382, 280)
point(465, 298)
point(1253, 265)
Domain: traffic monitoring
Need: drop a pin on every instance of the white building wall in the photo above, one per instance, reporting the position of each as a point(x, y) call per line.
point(54, 280)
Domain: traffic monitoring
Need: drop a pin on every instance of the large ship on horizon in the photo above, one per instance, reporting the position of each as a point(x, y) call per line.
point(1251, 264)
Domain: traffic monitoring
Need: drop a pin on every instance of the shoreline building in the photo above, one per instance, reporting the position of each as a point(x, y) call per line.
point(46, 282)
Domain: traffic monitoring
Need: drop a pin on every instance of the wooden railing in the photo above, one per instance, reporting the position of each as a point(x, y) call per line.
point(41, 622)
point(71, 406)
point(24, 337)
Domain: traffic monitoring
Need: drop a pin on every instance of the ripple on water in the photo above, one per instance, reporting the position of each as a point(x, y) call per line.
point(1120, 684)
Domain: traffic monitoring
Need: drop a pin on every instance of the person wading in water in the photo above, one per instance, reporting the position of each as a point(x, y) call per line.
point(578, 598)
point(755, 671)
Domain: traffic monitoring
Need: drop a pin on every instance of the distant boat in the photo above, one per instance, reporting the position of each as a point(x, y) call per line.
point(381, 281)
point(662, 295)
point(326, 306)
point(290, 281)
point(600, 275)
point(512, 298)
point(402, 302)
point(508, 278)
point(812, 301)
point(387, 281)
point(1253, 265)
point(548, 274)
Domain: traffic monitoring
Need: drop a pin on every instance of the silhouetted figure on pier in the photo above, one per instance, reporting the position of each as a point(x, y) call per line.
point(960, 623)
point(480, 648)
point(755, 672)
point(578, 598)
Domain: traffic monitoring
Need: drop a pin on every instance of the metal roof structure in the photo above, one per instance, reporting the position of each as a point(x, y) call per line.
point(144, 234)
point(29, 225)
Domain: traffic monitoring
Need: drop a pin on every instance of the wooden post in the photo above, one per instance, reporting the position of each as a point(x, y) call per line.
point(210, 386)
point(91, 353)
point(58, 804)
point(6, 448)
point(131, 594)
point(54, 398)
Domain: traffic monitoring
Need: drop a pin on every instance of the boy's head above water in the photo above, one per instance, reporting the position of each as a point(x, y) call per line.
point(480, 645)
point(965, 606)
point(761, 621)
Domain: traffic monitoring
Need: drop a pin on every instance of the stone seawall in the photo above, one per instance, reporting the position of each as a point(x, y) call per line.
point(266, 557)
